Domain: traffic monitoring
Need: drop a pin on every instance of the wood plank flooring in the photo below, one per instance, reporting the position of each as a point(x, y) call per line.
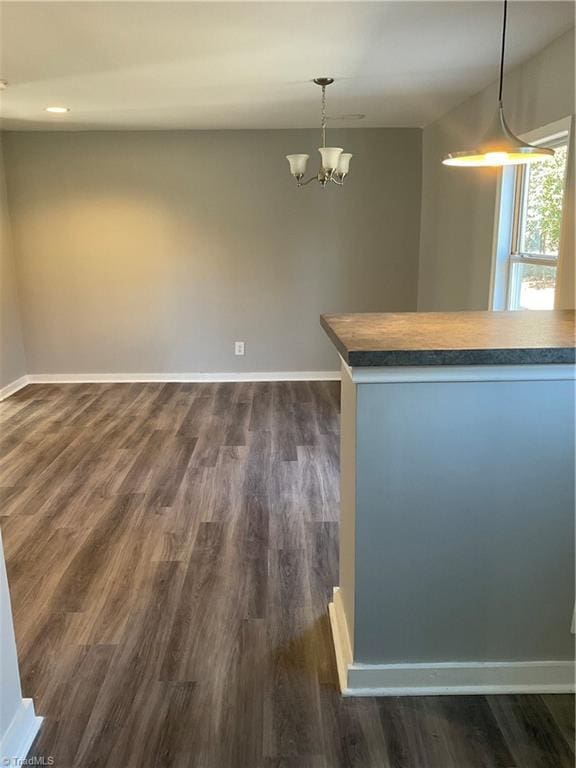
point(171, 551)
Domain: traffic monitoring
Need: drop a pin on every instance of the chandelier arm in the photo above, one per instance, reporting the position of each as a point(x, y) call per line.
point(304, 183)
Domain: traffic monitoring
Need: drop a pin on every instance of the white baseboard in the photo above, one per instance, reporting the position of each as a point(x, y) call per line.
point(443, 678)
point(341, 638)
point(13, 387)
point(20, 735)
point(129, 378)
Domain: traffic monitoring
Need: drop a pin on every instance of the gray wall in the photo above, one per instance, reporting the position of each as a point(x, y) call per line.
point(464, 522)
point(12, 359)
point(458, 204)
point(145, 252)
point(154, 251)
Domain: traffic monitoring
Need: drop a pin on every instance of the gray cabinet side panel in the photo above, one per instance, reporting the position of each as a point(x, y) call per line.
point(464, 521)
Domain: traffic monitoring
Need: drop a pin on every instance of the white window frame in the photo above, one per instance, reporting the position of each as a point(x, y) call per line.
point(509, 202)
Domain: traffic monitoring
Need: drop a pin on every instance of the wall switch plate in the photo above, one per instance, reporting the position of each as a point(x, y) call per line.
point(238, 347)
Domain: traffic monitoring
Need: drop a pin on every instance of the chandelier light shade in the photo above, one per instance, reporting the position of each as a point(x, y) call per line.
point(334, 162)
point(298, 164)
point(330, 158)
point(500, 146)
point(343, 163)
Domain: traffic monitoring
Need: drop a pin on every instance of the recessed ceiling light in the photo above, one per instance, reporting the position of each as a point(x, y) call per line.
point(57, 110)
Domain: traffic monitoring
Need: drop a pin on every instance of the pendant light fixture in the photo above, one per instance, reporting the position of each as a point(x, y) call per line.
point(334, 162)
point(500, 146)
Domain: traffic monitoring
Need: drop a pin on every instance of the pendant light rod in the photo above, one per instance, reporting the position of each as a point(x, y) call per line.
point(502, 51)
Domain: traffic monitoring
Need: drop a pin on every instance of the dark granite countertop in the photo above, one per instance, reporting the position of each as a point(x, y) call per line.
point(453, 338)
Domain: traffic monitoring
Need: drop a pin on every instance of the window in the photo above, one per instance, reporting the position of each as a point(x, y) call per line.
point(539, 194)
point(528, 232)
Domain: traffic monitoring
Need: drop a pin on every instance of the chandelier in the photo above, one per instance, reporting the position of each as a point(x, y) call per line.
point(500, 146)
point(334, 162)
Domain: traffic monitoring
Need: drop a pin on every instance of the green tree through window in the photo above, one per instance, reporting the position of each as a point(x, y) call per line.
point(543, 213)
point(533, 260)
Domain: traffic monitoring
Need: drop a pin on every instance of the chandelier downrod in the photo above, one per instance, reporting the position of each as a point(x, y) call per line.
point(323, 115)
point(323, 82)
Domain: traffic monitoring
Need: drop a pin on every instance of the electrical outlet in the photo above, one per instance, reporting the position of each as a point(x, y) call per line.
point(238, 347)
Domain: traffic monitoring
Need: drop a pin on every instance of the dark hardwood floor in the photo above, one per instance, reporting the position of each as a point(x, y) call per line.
point(171, 551)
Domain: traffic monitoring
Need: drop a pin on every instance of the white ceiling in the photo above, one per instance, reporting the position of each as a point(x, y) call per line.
point(248, 65)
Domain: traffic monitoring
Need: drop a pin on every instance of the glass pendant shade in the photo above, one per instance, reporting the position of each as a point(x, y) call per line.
point(499, 147)
point(297, 164)
point(344, 163)
point(330, 157)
